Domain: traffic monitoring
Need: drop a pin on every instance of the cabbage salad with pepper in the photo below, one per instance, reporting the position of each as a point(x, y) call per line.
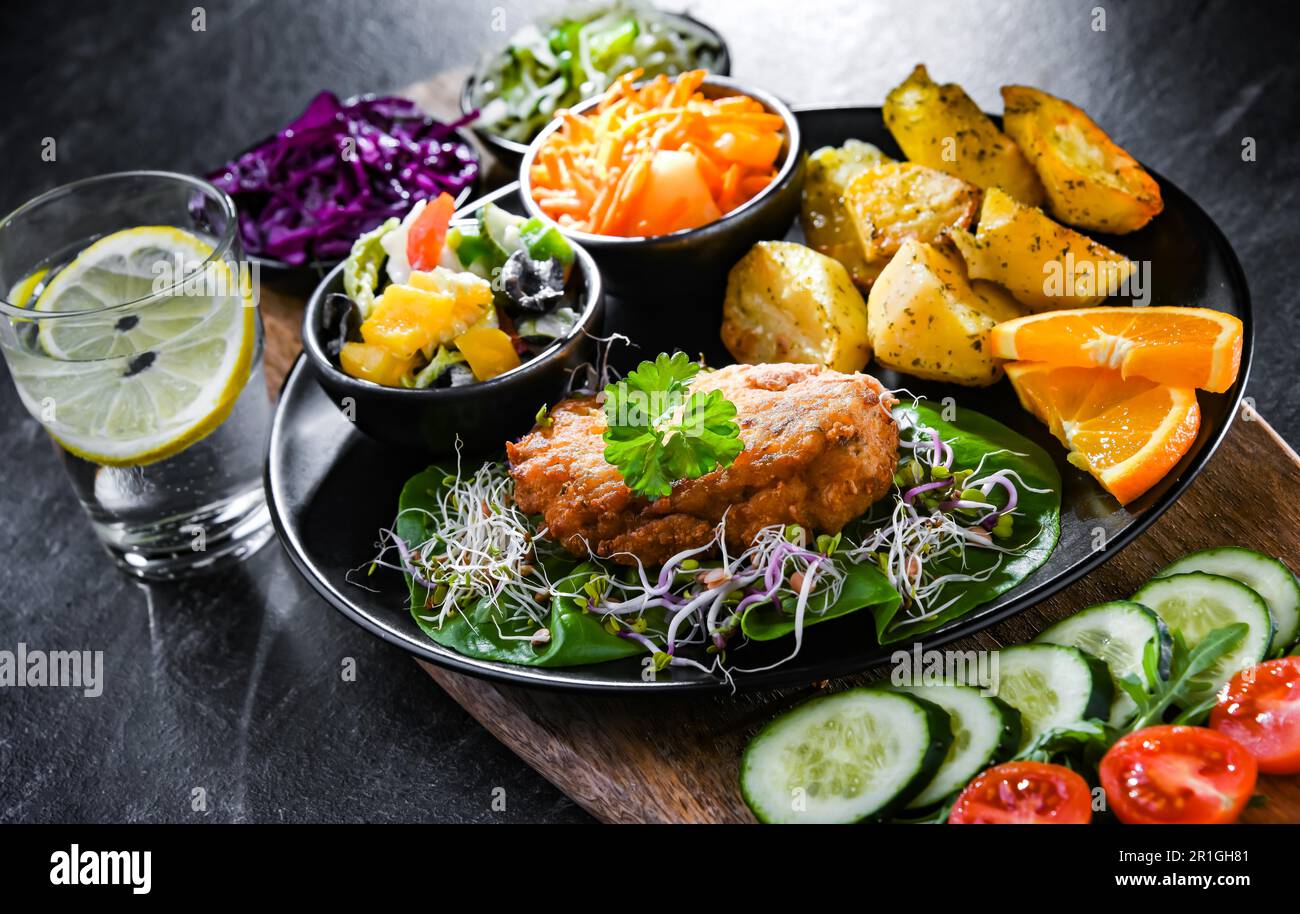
point(429, 304)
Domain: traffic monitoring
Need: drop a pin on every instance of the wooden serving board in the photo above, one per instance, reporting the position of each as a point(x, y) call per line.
point(675, 759)
point(671, 759)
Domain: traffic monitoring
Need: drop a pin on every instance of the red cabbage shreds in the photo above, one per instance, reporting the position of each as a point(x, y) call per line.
point(301, 201)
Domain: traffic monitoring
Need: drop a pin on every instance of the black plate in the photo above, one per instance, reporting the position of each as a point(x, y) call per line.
point(331, 489)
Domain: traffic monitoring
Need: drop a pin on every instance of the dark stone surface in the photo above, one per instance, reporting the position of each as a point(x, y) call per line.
point(234, 684)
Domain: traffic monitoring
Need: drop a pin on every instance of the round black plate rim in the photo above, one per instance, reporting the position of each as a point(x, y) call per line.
point(562, 680)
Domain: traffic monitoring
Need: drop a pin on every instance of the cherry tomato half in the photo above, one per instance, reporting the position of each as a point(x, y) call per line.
point(1178, 775)
point(1261, 710)
point(1024, 793)
point(428, 232)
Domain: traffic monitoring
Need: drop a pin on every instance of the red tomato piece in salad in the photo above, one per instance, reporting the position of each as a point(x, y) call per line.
point(428, 232)
point(1261, 710)
point(1024, 793)
point(1171, 775)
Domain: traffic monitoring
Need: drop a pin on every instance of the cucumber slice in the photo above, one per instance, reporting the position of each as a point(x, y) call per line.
point(500, 232)
point(1263, 574)
point(1052, 685)
point(1116, 633)
point(1195, 604)
point(844, 757)
point(985, 731)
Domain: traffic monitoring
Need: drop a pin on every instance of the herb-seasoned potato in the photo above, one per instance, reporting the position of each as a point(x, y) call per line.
point(787, 303)
point(926, 319)
point(1045, 265)
point(823, 215)
point(1090, 181)
point(940, 126)
point(894, 201)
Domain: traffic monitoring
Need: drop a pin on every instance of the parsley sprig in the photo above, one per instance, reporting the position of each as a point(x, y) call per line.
point(658, 431)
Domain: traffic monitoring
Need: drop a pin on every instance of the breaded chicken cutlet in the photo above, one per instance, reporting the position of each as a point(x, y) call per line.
point(820, 448)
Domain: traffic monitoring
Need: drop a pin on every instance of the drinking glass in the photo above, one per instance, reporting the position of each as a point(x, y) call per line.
point(129, 325)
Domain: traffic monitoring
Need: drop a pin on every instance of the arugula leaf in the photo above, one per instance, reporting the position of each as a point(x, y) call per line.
point(1185, 668)
point(936, 816)
point(657, 431)
point(1052, 743)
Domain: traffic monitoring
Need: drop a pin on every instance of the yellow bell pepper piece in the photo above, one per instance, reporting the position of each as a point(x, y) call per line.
point(489, 352)
point(374, 363)
point(466, 288)
point(433, 310)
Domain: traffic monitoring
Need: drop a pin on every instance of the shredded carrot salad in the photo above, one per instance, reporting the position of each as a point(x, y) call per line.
point(656, 159)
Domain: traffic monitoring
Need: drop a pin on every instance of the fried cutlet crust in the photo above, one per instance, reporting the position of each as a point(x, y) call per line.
point(820, 448)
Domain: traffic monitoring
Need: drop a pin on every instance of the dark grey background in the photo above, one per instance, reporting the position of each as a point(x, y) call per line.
point(234, 685)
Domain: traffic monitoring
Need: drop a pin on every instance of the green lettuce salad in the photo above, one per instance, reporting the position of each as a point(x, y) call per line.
point(557, 63)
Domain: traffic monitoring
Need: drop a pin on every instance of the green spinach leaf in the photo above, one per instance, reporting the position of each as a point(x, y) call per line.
point(484, 630)
point(972, 436)
point(864, 586)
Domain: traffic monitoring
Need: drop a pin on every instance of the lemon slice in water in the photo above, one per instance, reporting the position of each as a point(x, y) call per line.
point(129, 386)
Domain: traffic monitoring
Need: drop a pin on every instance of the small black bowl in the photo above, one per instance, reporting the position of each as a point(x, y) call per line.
point(483, 415)
point(691, 265)
point(510, 152)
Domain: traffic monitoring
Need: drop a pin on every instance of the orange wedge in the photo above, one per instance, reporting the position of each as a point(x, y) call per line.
point(1182, 347)
point(1127, 432)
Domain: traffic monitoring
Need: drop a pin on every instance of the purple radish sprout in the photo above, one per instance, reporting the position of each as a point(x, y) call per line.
point(925, 487)
point(1013, 498)
point(954, 504)
point(942, 453)
point(404, 552)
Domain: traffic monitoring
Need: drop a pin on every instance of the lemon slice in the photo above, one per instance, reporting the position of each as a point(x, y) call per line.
point(23, 291)
point(130, 386)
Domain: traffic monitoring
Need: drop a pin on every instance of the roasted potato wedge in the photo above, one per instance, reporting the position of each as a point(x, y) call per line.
point(788, 303)
point(1045, 265)
point(940, 126)
point(1090, 181)
point(894, 201)
point(926, 319)
point(823, 215)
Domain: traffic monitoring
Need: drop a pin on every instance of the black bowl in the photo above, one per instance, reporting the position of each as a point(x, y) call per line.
point(690, 266)
point(482, 415)
point(510, 152)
